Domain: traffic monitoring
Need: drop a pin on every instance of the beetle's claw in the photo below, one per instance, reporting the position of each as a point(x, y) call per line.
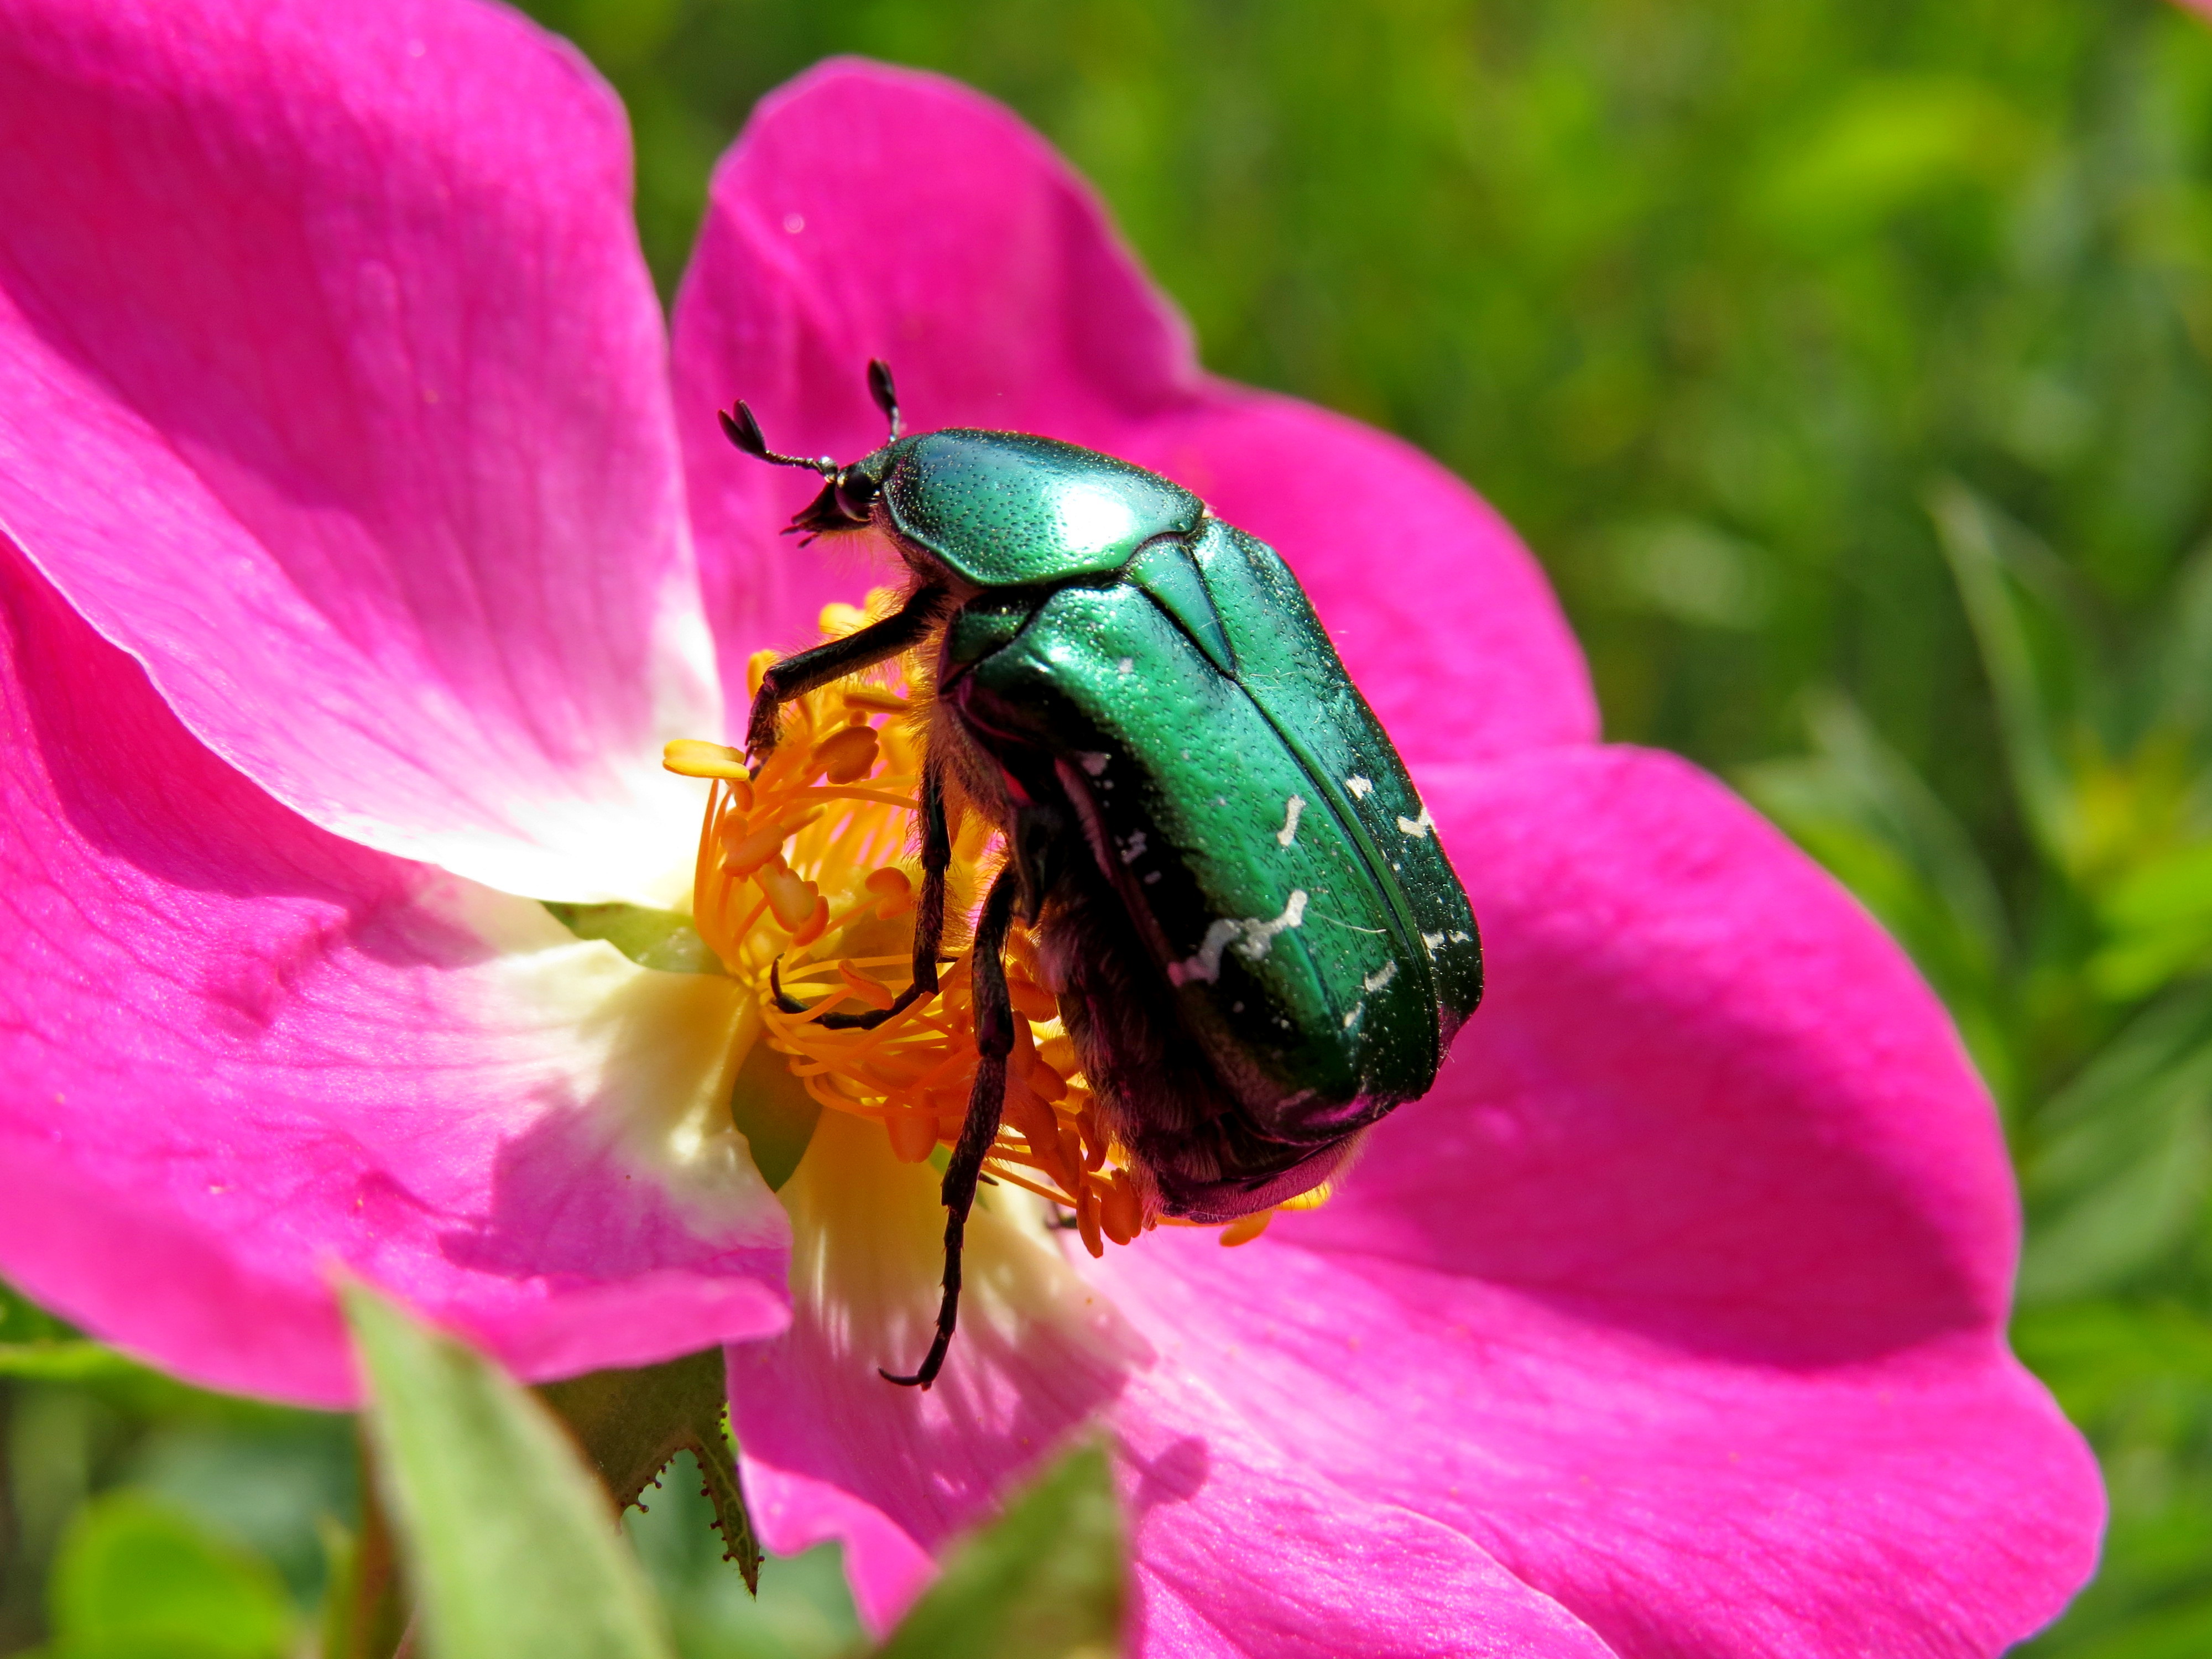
point(932, 1363)
point(761, 735)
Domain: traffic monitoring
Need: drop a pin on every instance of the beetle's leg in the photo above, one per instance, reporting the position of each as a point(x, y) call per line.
point(986, 1101)
point(929, 904)
point(928, 921)
point(810, 671)
point(1039, 844)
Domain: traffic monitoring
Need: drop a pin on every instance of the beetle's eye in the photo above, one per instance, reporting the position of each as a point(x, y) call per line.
point(856, 493)
point(842, 505)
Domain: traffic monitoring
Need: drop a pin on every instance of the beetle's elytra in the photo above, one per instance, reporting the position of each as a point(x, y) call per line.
point(1258, 945)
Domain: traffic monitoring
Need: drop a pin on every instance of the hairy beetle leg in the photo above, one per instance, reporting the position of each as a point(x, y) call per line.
point(936, 859)
point(986, 1101)
point(928, 923)
point(810, 671)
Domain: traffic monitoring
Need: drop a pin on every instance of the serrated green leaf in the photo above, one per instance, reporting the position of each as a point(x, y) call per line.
point(631, 1423)
point(138, 1579)
point(1044, 1581)
point(509, 1543)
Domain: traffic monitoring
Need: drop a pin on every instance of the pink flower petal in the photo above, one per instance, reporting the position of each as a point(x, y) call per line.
point(1038, 1358)
point(240, 1052)
point(886, 1568)
point(870, 211)
point(331, 387)
point(1680, 1299)
point(1684, 1292)
point(1704, 1087)
point(1242, 1547)
point(1240, 1550)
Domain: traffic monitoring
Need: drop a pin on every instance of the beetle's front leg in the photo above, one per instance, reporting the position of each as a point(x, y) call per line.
point(810, 671)
point(987, 1102)
point(928, 923)
point(929, 903)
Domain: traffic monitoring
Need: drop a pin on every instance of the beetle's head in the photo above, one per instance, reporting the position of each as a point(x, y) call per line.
point(848, 492)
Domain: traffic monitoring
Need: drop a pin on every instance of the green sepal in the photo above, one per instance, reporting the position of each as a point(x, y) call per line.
point(1046, 1580)
point(631, 1423)
point(771, 1108)
point(652, 938)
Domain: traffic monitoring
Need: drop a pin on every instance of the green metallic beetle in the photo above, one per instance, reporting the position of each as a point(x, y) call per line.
point(1258, 945)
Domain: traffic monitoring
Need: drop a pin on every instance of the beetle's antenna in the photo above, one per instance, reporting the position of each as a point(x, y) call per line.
point(885, 394)
point(743, 430)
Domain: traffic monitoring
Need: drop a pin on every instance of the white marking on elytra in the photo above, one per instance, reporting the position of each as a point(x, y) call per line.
point(1417, 828)
point(1252, 937)
point(1360, 787)
point(1352, 1019)
point(1127, 664)
point(1381, 977)
point(1288, 832)
point(1434, 941)
point(1463, 939)
point(1093, 763)
point(1133, 848)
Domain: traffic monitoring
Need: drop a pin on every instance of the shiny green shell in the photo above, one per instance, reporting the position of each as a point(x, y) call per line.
point(1241, 798)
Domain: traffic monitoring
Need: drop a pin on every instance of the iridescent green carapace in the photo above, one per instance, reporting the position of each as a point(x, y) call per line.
point(1257, 943)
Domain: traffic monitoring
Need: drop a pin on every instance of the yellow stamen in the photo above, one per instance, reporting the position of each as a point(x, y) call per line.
point(805, 866)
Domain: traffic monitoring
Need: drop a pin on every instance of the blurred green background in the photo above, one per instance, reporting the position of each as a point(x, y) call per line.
point(1846, 362)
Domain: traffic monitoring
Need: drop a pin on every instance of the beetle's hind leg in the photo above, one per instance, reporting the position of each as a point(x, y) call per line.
point(987, 1102)
point(810, 671)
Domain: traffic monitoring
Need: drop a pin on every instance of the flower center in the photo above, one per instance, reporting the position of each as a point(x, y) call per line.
point(804, 877)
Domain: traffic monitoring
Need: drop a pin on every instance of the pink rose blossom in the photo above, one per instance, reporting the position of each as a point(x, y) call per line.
point(360, 550)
